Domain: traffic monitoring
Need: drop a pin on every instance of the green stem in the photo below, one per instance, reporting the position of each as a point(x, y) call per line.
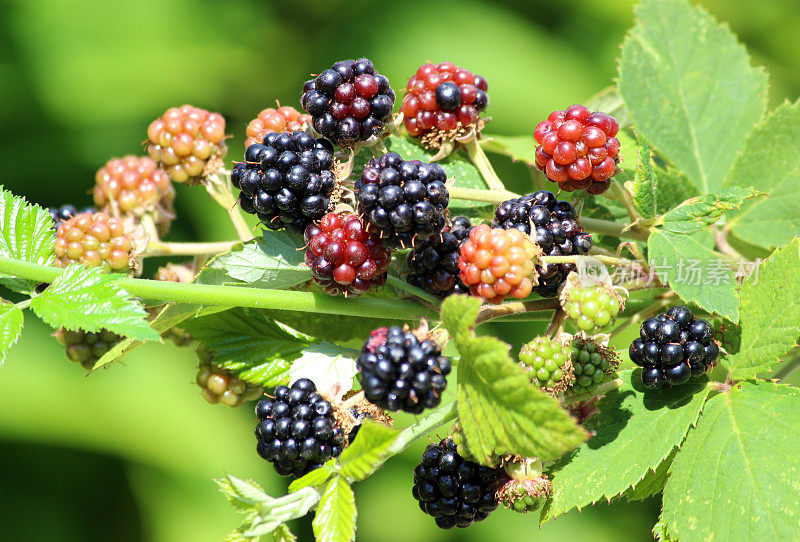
point(616, 229)
point(161, 248)
point(404, 286)
point(490, 312)
point(640, 316)
point(787, 370)
point(218, 186)
point(24, 304)
point(237, 296)
point(624, 196)
point(611, 260)
point(434, 420)
point(379, 148)
point(481, 161)
point(600, 390)
point(488, 196)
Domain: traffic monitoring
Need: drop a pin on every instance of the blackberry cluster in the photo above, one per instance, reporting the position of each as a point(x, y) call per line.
point(439, 97)
point(455, 491)
point(86, 347)
point(496, 263)
point(555, 228)
point(577, 149)
point(287, 180)
point(591, 307)
point(674, 346)
point(283, 119)
point(184, 139)
point(548, 363)
point(65, 212)
point(433, 264)
point(344, 257)
point(297, 431)
point(94, 239)
point(590, 364)
point(221, 386)
point(405, 201)
point(401, 372)
point(349, 102)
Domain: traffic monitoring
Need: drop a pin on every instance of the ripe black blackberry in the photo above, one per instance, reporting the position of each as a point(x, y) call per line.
point(554, 226)
point(404, 201)
point(433, 264)
point(297, 430)
point(674, 347)
point(65, 212)
point(401, 372)
point(455, 491)
point(287, 180)
point(349, 102)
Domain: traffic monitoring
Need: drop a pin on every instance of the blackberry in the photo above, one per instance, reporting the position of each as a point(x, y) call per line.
point(443, 98)
point(548, 363)
point(401, 372)
point(455, 491)
point(593, 364)
point(283, 119)
point(287, 180)
point(221, 386)
point(297, 430)
point(554, 226)
point(674, 347)
point(94, 239)
point(65, 212)
point(577, 149)
point(184, 139)
point(349, 102)
point(496, 263)
point(344, 257)
point(433, 264)
point(86, 347)
point(404, 201)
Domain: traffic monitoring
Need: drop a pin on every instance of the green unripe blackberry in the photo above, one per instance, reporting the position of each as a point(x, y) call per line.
point(592, 364)
point(592, 307)
point(221, 386)
point(85, 347)
point(549, 364)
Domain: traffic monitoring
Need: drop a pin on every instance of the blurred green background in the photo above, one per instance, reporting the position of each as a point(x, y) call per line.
point(128, 454)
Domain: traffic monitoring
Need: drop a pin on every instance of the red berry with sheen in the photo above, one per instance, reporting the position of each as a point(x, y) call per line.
point(282, 119)
point(578, 149)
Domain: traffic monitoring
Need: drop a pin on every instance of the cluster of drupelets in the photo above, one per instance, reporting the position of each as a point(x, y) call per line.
point(294, 178)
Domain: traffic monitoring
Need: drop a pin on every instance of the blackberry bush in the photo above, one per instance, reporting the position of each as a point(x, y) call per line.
point(433, 262)
point(349, 102)
point(549, 364)
point(401, 372)
point(344, 257)
point(282, 119)
point(287, 180)
point(577, 149)
point(554, 226)
point(674, 347)
point(443, 98)
point(454, 491)
point(404, 201)
point(297, 430)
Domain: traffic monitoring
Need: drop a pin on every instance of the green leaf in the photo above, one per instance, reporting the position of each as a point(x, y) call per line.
point(645, 182)
point(340, 329)
point(335, 519)
point(11, 320)
point(274, 260)
point(609, 100)
point(694, 272)
point(696, 213)
point(84, 298)
point(331, 367)
point(737, 476)
point(26, 234)
point(633, 434)
point(315, 478)
point(653, 481)
point(769, 313)
point(283, 534)
point(776, 141)
point(250, 344)
point(690, 88)
point(673, 188)
point(367, 452)
point(499, 411)
point(522, 148)
point(241, 493)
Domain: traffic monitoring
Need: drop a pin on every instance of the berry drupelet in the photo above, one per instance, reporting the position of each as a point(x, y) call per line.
point(554, 226)
point(593, 364)
point(344, 257)
point(184, 139)
point(287, 180)
point(349, 102)
point(65, 212)
point(591, 307)
point(404, 201)
point(297, 430)
point(282, 119)
point(674, 347)
point(577, 149)
point(401, 372)
point(441, 98)
point(94, 239)
point(433, 264)
point(455, 491)
point(548, 362)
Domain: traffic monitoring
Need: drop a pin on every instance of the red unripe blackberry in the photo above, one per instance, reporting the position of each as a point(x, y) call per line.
point(184, 139)
point(135, 186)
point(442, 98)
point(496, 263)
point(282, 119)
point(349, 102)
point(577, 149)
point(85, 347)
point(433, 263)
point(95, 239)
point(455, 491)
point(344, 257)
